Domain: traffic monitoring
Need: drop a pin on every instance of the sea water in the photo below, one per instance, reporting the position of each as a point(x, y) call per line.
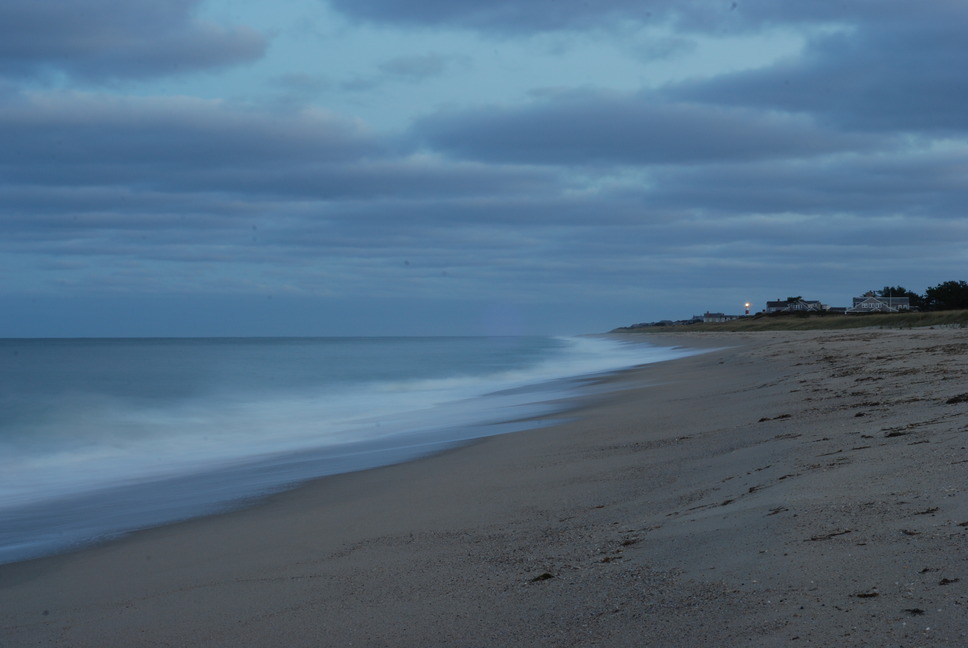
point(99, 437)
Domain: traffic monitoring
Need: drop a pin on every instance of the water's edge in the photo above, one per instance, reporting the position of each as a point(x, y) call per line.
point(75, 522)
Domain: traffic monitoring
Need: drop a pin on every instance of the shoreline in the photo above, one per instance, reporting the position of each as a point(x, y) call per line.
point(204, 453)
point(793, 486)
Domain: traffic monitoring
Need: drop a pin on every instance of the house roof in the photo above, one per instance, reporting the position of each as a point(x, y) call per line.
point(870, 303)
point(890, 301)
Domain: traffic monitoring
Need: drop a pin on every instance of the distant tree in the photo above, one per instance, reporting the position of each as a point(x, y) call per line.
point(950, 295)
point(794, 299)
point(916, 300)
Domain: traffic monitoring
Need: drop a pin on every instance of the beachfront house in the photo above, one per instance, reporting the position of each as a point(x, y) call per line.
point(797, 305)
point(718, 317)
point(871, 303)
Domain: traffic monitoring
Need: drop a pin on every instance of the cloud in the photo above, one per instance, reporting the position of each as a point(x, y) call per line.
point(710, 17)
point(422, 66)
point(503, 15)
point(406, 69)
point(105, 176)
point(898, 71)
point(513, 17)
point(597, 128)
point(139, 193)
point(86, 138)
point(108, 39)
point(911, 183)
point(187, 145)
point(841, 168)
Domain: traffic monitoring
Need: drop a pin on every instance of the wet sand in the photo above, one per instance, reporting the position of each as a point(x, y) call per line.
point(802, 488)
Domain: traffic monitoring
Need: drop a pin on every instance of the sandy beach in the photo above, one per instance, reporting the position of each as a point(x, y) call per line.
point(796, 488)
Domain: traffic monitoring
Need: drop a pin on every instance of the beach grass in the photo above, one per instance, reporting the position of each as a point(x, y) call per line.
point(816, 322)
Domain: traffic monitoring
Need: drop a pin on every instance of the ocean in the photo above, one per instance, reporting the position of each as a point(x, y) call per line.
point(100, 437)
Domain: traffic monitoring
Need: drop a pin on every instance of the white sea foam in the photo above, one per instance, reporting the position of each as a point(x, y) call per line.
point(239, 436)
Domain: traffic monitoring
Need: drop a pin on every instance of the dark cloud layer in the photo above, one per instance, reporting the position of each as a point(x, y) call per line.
point(104, 39)
point(875, 77)
point(512, 17)
point(841, 167)
point(502, 15)
point(184, 145)
point(619, 129)
point(416, 67)
point(54, 137)
point(916, 184)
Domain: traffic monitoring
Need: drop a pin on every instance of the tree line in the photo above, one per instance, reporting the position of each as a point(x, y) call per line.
point(948, 295)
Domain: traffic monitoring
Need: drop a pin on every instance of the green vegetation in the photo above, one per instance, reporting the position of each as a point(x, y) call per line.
point(943, 305)
point(917, 301)
point(817, 321)
point(947, 296)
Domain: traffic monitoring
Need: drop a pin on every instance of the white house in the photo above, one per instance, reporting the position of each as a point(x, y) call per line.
point(795, 305)
point(871, 303)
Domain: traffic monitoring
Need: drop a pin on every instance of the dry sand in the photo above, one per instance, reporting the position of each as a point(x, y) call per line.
point(802, 488)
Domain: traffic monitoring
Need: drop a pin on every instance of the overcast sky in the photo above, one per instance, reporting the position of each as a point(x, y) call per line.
point(342, 167)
